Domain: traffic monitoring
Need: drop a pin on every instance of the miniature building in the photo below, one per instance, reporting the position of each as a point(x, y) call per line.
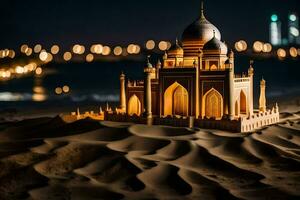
point(197, 80)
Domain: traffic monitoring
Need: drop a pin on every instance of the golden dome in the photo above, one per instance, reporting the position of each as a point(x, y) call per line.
point(175, 50)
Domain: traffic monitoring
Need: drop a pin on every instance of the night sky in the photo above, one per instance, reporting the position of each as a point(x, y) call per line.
point(120, 22)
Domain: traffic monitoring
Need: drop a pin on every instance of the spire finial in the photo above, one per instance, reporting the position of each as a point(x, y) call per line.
point(202, 9)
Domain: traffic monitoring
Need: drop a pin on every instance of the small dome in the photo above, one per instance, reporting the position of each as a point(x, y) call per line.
point(175, 50)
point(215, 45)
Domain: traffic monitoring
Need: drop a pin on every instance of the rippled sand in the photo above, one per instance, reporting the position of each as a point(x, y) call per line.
point(47, 158)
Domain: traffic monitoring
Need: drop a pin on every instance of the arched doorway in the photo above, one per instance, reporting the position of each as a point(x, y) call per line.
point(212, 104)
point(243, 103)
point(176, 100)
point(134, 105)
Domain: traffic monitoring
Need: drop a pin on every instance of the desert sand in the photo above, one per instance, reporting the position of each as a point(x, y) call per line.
point(47, 158)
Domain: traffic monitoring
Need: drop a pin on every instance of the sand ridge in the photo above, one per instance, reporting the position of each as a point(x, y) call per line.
point(47, 158)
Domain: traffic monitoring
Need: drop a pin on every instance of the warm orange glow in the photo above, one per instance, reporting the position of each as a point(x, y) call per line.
point(97, 48)
point(19, 70)
point(106, 50)
point(89, 58)
point(212, 104)
point(293, 52)
point(58, 90)
point(55, 49)
point(118, 50)
point(78, 49)
point(134, 106)
point(67, 56)
point(163, 45)
point(241, 45)
point(37, 48)
point(258, 46)
point(66, 89)
point(38, 71)
point(49, 57)
point(150, 44)
point(281, 53)
point(11, 54)
point(24, 48)
point(267, 48)
point(43, 56)
point(39, 97)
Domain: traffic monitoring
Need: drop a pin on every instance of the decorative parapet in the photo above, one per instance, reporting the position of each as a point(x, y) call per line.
point(260, 119)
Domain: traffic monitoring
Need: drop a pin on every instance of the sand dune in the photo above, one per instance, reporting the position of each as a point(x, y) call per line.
point(47, 158)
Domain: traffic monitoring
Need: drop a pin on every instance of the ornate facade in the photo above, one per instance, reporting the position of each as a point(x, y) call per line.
point(197, 79)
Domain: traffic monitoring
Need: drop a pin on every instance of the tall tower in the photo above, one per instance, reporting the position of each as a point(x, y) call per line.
point(262, 98)
point(122, 93)
point(275, 31)
point(230, 67)
point(148, 70)
point(294, 37)
point(251, 74)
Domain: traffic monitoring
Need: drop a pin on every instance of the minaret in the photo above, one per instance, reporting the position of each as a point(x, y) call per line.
point(262, 98)
point(251, 74)
point(231, 84)
point(122, 93)
point(147, 90)
point(158, 67)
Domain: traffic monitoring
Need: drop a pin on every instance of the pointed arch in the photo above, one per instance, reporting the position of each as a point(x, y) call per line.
point(243, 103)
point(134, 105)
point(176, 100)
point(212, 104)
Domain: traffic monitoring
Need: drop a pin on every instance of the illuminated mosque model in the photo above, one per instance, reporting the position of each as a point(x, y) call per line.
point(197, 80)
point(194, 86)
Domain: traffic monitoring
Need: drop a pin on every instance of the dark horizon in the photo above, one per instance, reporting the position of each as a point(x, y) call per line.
point(122, 22)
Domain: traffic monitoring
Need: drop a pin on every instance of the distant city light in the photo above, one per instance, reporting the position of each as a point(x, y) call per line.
point(38, 71)
point(274, 18)
point(281, 53)
point(24, 48)
point(66, 89)
point(43, 56)
point(267, 48)
point(19, 70)
point(293, 52)
point(28, 51)
point(78, 49)
point(89, 57)
point(163, 45)
point(55, 49)
point(58, 90)
point(97, 49)
point(118, 50)
point(37, 48)
point(67, 56)
point(150, 44)
point(294, 31)
point(241, 45)
point(106, 50)
point(293, 17)
point(258, 46)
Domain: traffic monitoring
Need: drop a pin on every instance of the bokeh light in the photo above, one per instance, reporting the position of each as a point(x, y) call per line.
point(150, 44)
point(55, 49)
point(89, 57)
point(67, 56)
point(106, 50)
point(37, 48)
point(293, 52)
point(66, 89)
point(43, 56)
point(281, 53)
point(163, 45)
point(258, 46)
point(58, 90)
